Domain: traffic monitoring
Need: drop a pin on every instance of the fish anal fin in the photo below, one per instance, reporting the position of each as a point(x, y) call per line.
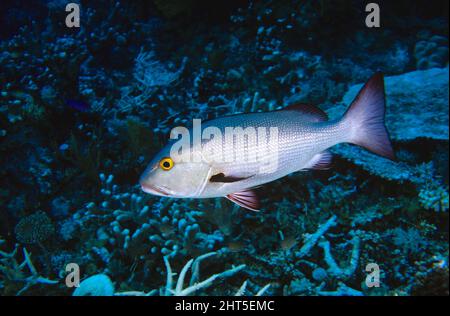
point(246, 199)
point(320, 161)
point(312, 113)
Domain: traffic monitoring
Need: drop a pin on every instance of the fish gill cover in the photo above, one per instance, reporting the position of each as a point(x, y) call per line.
point(84, 109)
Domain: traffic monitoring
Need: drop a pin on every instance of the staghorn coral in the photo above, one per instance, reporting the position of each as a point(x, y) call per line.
point(12, 270)
point(149, 74)
point(333, 268)
point(312, 239)
point(195, 285)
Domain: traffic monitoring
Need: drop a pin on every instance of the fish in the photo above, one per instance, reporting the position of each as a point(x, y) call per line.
point(303, 136)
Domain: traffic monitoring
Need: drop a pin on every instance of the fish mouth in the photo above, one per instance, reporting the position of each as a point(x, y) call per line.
point(154, 189)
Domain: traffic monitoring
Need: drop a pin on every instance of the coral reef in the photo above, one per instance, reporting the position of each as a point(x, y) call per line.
point(431, 51)
point(13, 272)
point(96, 285)
point(34, 228)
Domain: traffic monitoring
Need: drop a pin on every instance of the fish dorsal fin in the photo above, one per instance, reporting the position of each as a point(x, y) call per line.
point(247, 199)
point(320, 161)
point(311, 112)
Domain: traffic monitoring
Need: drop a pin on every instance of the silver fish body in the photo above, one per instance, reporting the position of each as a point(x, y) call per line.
point(301, 141)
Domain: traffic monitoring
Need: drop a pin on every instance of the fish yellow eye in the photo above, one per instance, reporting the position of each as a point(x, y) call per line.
point(166, 163)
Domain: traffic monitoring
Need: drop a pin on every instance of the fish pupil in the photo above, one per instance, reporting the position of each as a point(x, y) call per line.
point(166, 164)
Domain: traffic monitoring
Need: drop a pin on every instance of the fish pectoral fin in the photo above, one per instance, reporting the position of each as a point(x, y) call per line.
point(320, 161)
point(246, 199)
point(221, 177)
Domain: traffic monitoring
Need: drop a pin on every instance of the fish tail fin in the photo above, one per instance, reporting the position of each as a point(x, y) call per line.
point(365, 117)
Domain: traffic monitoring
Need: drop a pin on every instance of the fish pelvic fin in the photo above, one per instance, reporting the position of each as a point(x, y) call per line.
point(246, 199)
point(365, 116)
point(320, 161)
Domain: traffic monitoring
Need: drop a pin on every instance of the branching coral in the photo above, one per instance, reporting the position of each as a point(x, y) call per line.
point(149, 74)
point(13, 271)
point(167, 227)
point(333, 268)
point(195, 285)
point(142, 228)
point(334, 271)
point(433, 193)
point(243, 289)
point(314, 238)
point(434, 197)
point(342, 290)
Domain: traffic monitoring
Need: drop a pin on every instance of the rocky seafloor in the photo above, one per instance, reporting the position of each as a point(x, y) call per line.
point(83, 110)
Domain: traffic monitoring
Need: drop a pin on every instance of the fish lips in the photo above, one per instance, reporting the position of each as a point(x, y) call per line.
point(154, 189)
